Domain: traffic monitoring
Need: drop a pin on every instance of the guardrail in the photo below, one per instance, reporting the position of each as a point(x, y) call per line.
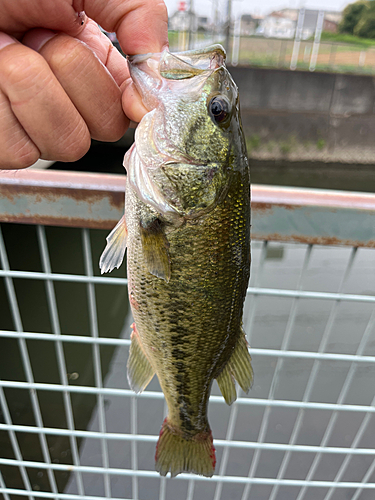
point(278, 213)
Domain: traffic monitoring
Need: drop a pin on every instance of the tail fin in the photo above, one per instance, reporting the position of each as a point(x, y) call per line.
point(176, 454)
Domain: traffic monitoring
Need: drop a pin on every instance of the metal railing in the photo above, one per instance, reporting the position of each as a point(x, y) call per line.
point(309, 317)
point(326, 56)
point(286, 53)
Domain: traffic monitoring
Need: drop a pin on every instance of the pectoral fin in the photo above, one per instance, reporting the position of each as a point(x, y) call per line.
point(155, 249)
point(114, 251)
point(239, 368)
point(140, 371)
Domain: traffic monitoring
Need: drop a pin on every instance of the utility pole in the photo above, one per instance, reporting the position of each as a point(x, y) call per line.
point(318, 34)
point(192, 27)
point(214, 20)
point(227, 27)
point(297, 39)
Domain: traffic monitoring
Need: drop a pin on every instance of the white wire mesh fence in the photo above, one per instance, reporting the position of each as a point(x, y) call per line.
point(70, 427)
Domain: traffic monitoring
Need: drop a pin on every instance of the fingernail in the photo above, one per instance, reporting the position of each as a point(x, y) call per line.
point(35, 39)
point(81, 17)
point(6, 40)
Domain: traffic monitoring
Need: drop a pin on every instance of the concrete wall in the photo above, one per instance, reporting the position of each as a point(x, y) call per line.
point(323, 116)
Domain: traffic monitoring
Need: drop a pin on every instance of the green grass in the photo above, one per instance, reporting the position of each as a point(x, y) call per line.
point(252, 142)
point(345, 38)
point(172, 38)
point(285, 148)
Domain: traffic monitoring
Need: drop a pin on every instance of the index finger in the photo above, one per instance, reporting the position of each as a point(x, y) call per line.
point(141, 25)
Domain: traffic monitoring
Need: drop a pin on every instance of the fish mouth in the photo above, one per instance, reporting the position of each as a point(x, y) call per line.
point(152, 72)
point(189, 62)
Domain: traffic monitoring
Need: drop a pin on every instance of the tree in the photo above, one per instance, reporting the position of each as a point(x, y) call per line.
point(365, 27)
point(352, 14)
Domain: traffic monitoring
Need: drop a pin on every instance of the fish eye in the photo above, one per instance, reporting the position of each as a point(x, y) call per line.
point(219, 109)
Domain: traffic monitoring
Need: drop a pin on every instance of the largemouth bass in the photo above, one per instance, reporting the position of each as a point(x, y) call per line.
point(187, 232)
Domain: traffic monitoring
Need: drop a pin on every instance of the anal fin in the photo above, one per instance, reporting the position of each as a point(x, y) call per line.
point(227, 386)
point(240, 364)
point(114, 252)
point(238, 367)
point(140, 371)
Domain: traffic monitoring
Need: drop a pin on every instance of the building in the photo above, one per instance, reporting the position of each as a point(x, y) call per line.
point(331, 20)
point(282, 23)
point(276, 26)
point(248, 25)
point(183, 20)
point(203, 23)
point(331, 26)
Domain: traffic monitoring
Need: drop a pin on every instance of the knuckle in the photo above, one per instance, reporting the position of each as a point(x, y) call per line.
point(77, 143)
point(23, 158)
point(112, 124)
point(161, 8)
point(110, 134)
point(64, 53)
point(27, 159)
point(21, 68)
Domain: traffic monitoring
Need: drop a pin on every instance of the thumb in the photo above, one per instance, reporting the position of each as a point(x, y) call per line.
point(141, 25)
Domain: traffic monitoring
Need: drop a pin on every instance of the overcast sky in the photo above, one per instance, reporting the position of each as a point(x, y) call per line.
point(205, 7)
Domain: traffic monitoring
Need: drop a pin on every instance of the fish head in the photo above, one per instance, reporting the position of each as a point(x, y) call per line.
point(192, 134)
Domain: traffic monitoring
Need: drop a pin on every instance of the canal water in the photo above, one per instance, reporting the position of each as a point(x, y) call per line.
point(104, 157)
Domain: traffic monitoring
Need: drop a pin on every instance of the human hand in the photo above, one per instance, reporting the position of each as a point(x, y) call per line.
point(61, 80)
